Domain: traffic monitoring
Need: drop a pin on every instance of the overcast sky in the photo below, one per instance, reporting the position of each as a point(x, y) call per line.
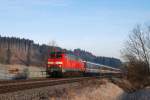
point(98, 26)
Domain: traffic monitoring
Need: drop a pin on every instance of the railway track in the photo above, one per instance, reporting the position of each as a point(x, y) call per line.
point(14, 86)
point(23, 80)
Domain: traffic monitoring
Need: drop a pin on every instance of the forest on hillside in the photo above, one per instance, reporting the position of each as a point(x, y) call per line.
point(25, 52)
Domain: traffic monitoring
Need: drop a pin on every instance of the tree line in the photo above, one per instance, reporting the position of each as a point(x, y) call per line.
point(24, 51)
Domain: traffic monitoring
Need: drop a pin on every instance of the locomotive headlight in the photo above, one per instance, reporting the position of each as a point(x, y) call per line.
point(59, 63)
point(50, 62)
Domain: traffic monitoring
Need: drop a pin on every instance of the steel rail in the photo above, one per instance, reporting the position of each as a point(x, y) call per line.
point(30, 84)
point(12, 87)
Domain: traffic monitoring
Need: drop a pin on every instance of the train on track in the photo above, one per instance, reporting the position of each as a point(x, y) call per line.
point(62, 64)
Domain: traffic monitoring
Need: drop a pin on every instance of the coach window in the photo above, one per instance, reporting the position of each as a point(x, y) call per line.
point(89, 65)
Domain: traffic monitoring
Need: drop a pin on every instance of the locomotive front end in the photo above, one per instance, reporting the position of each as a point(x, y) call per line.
point(55, 63)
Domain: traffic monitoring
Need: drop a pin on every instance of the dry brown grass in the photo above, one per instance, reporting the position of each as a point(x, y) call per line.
point(96, 90)
point(31, 71)
point(105, 92)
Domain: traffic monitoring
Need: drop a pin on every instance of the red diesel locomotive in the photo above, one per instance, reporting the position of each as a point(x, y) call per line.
point(62, 64)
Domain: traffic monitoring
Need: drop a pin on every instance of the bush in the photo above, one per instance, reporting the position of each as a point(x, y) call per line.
point(138, 74)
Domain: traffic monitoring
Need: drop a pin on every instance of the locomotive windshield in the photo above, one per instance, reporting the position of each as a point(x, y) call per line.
point(56, 55)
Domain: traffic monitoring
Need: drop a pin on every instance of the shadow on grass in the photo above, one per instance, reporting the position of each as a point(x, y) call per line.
point(143, 94)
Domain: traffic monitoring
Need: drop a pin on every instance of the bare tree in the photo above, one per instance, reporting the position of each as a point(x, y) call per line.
point(138, 45)
point(52, 44)
point(28, 62)
point(9, 54)
point(137, 54)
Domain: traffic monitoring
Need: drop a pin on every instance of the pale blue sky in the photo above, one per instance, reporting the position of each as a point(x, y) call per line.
point(98, 26)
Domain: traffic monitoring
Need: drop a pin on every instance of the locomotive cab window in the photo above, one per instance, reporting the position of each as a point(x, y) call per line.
point(52, 55)
point(56, 55)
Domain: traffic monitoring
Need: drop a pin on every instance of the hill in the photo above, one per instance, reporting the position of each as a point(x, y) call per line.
point(25, 52)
